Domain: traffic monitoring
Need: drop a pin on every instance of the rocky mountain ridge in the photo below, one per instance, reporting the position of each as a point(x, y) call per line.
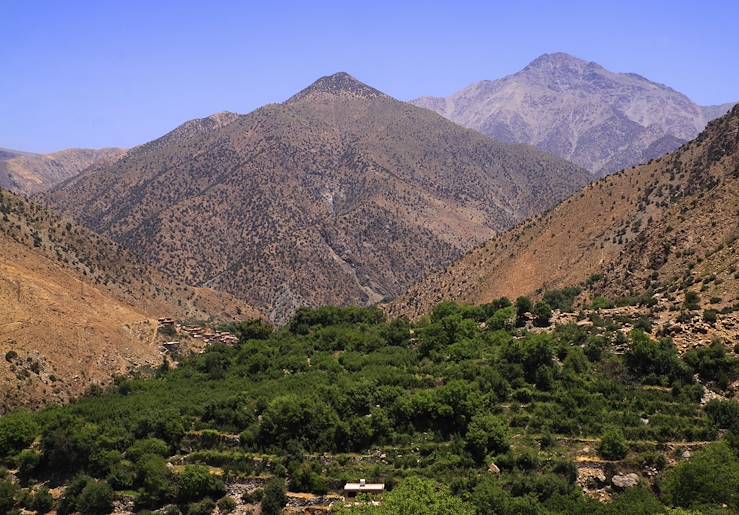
point(578, 110)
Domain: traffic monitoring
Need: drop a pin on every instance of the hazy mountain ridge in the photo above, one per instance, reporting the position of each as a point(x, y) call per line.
point(28, 173)
point(340, 195)
point(578, 110)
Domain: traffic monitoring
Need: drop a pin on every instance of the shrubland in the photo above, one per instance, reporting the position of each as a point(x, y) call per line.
point(339, 394)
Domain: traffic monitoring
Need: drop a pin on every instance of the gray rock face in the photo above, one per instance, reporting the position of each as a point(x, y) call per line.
point(598, 119)
point(625, 481)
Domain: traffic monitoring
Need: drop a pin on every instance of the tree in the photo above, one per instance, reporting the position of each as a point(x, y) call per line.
point(69, 444)
point(157, 484)
point(17, 431)
point(486, 434)
point(490, 497)
point(197, 482)
point(504, 318)
point(41, 501)
point(274, 498)
point(523, 306)
point(613, 445)
point(709, 477)
point(95, 499)
point(27, 461)
point(153, 446)
point(8, 492)
point(542, 314)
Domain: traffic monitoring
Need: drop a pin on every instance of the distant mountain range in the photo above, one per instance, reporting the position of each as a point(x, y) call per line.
point(340, 195)
point(24, 172)
point(578, 110)
point(666, 226)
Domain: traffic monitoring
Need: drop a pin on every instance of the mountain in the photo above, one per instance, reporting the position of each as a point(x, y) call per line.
point(578, 110)
point(27, 173)
point(666, 226)
point(77, 308)
point(341, 195)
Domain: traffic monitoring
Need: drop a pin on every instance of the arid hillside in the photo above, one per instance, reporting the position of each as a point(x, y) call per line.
point(668, 226)
point(23, 172)
point(76, 308)
point(341, 195)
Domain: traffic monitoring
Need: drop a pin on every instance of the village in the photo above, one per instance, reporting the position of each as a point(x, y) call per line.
point(193, 338)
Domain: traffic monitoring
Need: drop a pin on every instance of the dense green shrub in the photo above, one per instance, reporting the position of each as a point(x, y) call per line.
point(17, 431)
point(613, 445)
point(561, 299)
point(274, 498)
point(95, 499)
point(196, 482)
point(486, 434)
point(8, 495)
point(709, 477)
point(713, 363)
point(40, 501)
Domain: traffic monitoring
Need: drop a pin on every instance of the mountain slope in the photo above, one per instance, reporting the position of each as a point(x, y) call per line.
point(23, 172)
point(668, 225)
point(341, 195)
point(76, 308)
point(578, 110)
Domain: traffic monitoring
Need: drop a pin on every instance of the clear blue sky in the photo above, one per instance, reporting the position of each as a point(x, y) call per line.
point(106, 73)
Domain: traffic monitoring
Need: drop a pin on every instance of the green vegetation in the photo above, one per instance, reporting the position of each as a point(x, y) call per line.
point(429, 408)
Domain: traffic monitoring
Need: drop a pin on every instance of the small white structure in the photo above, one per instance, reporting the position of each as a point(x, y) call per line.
point(352, 489)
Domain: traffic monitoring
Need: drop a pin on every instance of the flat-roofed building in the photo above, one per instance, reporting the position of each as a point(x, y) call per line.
point(352, 489)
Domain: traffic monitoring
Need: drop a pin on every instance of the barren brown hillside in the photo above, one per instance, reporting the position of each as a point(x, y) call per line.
point(76, 308)
point(341, 195)
point(669, 225)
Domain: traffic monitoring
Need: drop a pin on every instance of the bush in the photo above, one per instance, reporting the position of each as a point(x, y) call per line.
point(713, 363)
point(723, 413)
point(27, 461)
point(122, 475)
point(710, 316)
point(561, 299)
point(17, 431)
point(692, 301)
point(41, 501)
point(197, 482)
point(504, 318)
point(613, 445)
point(486, 434)
point(157, 484)
point(227, 505)
point(204, 507)
point(8, 493)
point(646, 357)
point(542, 314)
point(273, 497)
point(710, 477)
point(96, 498)
point(153, 446)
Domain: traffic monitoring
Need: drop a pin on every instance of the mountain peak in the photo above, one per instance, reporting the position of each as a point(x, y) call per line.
point(557, 60)
point(340, 83)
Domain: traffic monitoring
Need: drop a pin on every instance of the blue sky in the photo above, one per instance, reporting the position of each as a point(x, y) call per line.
point(106, 73)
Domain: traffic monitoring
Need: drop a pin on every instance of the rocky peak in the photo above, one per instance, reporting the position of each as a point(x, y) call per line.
point(340, 83)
